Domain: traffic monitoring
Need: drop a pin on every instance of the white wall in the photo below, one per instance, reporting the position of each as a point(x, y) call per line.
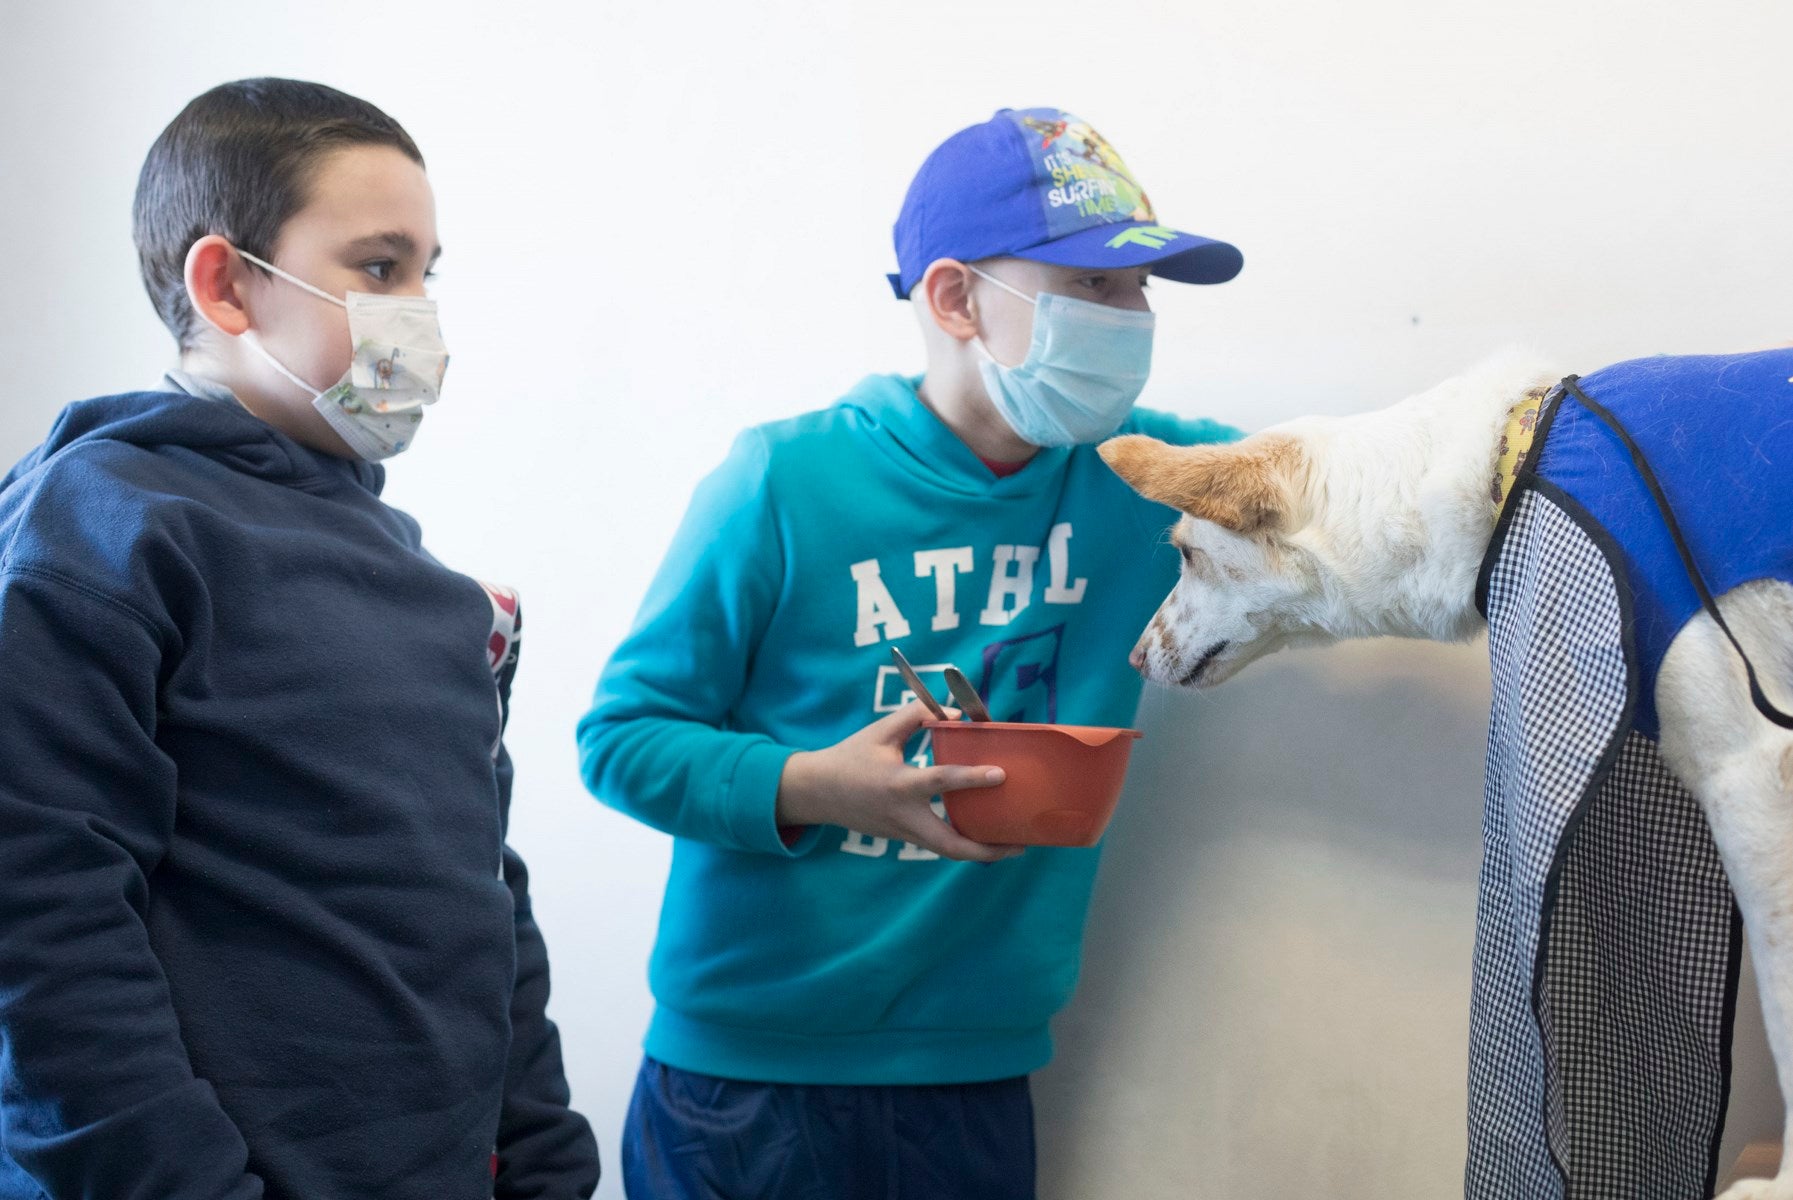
point(665, 221)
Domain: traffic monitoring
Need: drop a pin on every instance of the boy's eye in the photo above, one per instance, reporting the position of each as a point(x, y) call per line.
point(380, 268)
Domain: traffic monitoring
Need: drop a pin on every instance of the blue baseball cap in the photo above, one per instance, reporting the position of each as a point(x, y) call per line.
point(1040, 184)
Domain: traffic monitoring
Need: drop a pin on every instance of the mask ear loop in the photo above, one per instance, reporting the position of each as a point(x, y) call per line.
point(320, 293)
point(978, 341)
point(989, 278)
point(254, 339)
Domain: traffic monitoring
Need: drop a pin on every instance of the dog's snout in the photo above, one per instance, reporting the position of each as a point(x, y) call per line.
point(1138, 657)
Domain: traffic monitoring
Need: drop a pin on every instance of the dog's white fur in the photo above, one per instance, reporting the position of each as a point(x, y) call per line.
point(1377, 524)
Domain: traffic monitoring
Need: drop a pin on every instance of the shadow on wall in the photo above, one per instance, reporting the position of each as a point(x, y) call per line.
point(1276, 973)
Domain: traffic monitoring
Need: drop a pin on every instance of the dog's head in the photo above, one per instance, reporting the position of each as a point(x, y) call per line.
point(1246, 588)
point(1329, 527)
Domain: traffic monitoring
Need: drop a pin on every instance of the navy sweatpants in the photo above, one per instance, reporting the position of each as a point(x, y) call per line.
point(697, 1137)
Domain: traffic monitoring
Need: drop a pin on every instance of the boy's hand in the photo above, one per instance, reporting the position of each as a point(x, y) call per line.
point(864, 783)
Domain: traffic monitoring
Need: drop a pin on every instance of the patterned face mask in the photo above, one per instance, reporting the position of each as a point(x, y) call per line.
point(397, 369)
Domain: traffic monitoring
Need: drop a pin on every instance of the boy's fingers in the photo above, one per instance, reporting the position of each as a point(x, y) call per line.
point(957, 779)
point(944, 840)
point(900, 726)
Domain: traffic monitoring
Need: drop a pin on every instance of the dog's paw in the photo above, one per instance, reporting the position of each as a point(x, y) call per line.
point(1778, 1188)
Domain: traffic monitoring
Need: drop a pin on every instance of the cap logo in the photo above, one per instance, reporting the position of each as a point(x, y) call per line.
point(1083, 181)
point(1152, 237)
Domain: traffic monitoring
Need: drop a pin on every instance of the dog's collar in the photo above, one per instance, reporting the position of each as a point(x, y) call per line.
point(1515, 445)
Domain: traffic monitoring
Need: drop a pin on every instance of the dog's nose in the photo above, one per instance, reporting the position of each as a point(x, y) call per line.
point(1138, 658)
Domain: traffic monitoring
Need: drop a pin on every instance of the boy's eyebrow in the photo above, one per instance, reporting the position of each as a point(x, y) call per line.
point(393, 242)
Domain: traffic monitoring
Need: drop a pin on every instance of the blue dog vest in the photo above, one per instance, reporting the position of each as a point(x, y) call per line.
point(1717, 431)
point(1607, 939)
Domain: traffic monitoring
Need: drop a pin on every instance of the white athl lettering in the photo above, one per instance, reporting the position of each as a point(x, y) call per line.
point(944, 566)
point(877, 608)
point(1058, 550)
point(1006, 584)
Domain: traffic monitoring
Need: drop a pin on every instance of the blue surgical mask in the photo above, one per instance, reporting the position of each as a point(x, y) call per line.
point(1084, 369)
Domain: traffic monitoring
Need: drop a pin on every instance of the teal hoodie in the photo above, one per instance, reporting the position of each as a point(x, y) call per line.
point(819, 543)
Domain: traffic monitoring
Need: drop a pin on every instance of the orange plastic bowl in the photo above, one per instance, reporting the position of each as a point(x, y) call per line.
point(1063, 780)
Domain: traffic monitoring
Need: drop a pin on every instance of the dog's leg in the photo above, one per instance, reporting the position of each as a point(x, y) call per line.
point(1740, 766)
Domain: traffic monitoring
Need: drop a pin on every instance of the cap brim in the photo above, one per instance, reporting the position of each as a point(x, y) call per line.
point(1172, 254)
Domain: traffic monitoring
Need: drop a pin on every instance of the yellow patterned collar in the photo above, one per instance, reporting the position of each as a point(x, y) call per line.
point(1515, 445)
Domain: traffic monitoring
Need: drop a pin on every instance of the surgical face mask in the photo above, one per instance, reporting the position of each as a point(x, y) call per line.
point(397, 369)
point(1084, 369)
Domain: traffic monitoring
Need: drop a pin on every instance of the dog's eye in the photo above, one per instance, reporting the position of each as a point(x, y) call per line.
point(1197, 563)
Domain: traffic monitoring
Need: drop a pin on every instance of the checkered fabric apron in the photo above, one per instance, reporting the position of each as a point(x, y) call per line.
point(1607, 941)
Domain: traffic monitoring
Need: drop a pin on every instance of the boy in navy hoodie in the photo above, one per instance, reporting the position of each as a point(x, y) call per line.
point(847, 1008)
point(262, 934)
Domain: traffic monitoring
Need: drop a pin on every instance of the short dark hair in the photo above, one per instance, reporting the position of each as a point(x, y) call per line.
point(238, 162)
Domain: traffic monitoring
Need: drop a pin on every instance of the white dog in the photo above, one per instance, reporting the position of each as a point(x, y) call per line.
point(1377, 524)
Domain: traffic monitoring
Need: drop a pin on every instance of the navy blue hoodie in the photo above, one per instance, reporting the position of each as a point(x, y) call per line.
point(260, 934)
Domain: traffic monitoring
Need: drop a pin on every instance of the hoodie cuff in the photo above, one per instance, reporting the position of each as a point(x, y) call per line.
point(753, 803)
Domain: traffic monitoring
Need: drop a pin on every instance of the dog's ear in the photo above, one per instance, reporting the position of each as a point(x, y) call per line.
point(1249, 487)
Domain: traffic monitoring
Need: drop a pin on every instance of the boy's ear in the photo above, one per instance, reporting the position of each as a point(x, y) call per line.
point(945, 287)
point(1252, 486)
point(215, 275)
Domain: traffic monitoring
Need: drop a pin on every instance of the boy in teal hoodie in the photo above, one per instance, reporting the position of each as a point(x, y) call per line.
point(851, 995)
